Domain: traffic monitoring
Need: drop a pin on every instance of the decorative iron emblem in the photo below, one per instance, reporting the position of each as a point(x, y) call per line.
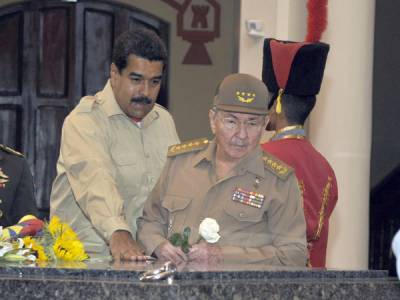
point(198, 22)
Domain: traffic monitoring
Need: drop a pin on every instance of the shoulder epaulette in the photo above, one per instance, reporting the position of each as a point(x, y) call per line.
point(188, 146)
point(276, 166)
point(10, 150)
point(86, 104)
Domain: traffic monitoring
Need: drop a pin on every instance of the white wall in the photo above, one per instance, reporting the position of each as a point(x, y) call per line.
point(250, 49)
point(341, 127)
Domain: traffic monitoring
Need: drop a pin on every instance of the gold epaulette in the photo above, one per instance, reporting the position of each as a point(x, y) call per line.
point(188, 146)
point(276, 166)
point(9, 150)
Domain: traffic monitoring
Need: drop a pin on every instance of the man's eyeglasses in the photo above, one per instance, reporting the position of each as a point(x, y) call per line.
point(234, 124)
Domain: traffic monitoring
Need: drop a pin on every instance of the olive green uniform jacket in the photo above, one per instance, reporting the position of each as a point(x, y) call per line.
point(188, 191)
point(107, 167)
point(16, 188)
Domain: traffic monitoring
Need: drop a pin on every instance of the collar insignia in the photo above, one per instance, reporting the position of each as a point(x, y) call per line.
point(3, 179)
point(245, 97)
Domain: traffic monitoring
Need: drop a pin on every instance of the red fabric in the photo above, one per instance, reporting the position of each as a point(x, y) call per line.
point(282, 55)
point(30, 227)
point(312, 171)
point(317, 19)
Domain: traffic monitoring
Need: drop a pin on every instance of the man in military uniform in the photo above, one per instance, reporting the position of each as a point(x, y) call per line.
point(293, 73)
point(253, 197)
point(113, 148)
point(16, 187)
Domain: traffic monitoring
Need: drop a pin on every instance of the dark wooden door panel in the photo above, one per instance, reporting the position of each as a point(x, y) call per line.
point(51, 54)
point(54, 52)
point(97, 48)
point(49, 120)
point(10, 125)
point(53, 95)
point(10, 54)
point(11, 77)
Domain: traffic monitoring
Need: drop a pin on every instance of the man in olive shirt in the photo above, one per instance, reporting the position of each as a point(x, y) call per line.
point(253, 197)
point(113, 148)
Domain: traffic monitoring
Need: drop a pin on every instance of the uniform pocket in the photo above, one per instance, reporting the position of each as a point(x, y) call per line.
point(177, 207)
point(128, 176)
point(123, 159)
point(245, 213)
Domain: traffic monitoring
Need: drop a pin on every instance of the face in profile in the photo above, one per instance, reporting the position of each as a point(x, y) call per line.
point(136, 87)
point(237, 134)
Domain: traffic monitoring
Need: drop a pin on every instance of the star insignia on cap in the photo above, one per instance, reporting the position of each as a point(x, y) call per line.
point(245, 97)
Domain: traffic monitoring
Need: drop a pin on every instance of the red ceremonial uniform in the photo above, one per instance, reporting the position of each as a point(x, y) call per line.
point(317, 183)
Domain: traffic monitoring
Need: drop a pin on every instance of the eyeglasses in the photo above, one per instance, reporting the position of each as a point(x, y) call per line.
point(234, 124)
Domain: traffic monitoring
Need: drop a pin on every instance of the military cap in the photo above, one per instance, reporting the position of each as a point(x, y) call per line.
point(293, 68)
point(242, 93)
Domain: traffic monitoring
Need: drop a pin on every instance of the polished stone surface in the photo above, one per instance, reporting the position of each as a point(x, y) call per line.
point(102, 280)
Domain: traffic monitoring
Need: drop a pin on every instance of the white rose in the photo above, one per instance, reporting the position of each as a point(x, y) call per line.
point(208, 230)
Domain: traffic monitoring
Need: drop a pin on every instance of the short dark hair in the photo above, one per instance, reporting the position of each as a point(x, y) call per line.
point(297, 108)
point(141, 42)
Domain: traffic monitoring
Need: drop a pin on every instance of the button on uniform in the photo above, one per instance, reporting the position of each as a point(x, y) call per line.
point(151, 179)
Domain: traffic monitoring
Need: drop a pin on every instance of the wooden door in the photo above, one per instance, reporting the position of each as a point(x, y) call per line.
point(51, 54)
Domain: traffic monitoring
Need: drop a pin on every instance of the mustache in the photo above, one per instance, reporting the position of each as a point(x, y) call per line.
point(142, 100)
point(238, 143)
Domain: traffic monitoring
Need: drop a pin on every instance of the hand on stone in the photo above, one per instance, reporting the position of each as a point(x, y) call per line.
point(167, 252)
point(205, 253)
point(124, 247)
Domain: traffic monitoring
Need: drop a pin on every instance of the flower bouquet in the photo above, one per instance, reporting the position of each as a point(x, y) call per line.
point(33, 240)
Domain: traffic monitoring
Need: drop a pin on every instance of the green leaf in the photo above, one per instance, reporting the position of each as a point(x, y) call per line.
point(186, 234)
point(14, 257)
point(185, 246)
point(176, 239)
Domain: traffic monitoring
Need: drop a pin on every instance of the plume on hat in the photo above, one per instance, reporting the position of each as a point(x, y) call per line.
point(317, 19)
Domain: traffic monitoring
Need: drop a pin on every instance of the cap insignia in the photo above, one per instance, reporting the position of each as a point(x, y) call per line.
point(245, 97)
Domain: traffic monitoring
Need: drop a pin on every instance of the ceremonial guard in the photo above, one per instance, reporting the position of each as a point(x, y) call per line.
point(293, 74)
point(16, 187)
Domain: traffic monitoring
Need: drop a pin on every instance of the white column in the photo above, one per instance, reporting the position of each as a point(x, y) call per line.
point(282, 20)
point(340, 127)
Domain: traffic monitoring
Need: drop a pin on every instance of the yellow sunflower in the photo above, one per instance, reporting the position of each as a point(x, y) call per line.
point(69, 249)
point(54, 225)
point(29, 242)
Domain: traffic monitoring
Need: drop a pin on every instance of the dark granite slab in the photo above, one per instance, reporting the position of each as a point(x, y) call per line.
point(101, 280)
